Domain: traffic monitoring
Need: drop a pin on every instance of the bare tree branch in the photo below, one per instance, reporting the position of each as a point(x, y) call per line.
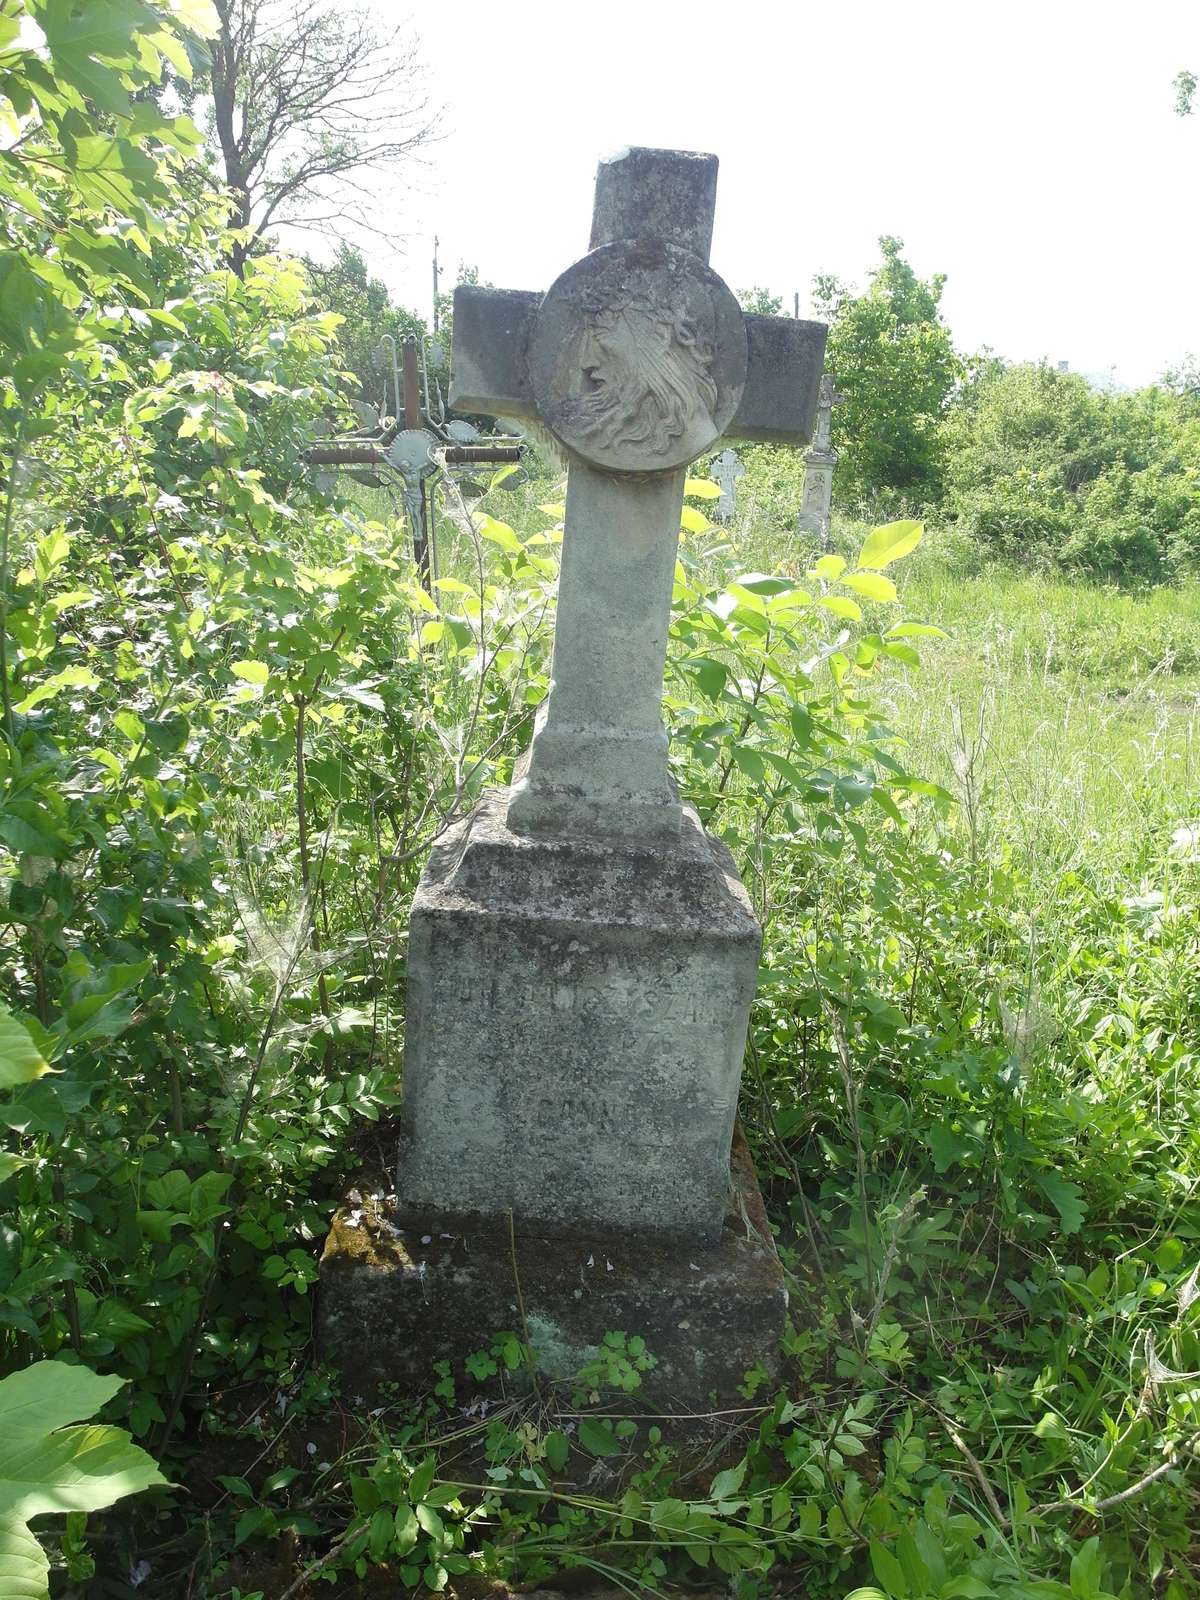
point(311, 107)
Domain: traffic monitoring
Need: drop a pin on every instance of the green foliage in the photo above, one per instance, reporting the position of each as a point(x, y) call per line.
point(893, 360)
point(345, 287)
point(233, 724)
point(47, 1466)
point(761, 302)
point(1041, 465)
point(83, 199)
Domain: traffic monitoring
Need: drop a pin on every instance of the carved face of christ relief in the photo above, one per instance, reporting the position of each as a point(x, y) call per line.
point(638, 357)
point(647, 380)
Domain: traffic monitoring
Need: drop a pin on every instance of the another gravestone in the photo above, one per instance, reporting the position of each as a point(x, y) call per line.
point(819, 462)
point(582, 955)
point(725, 470)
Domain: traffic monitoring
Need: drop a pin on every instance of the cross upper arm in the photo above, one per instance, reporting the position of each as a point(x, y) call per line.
point(491, 334)
point(779, 402)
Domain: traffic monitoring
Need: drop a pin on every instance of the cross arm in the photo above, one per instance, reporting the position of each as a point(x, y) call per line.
point(488, 368)
point(779, 402)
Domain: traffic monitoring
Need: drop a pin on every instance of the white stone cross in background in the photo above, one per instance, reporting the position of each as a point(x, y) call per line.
point(726, 469)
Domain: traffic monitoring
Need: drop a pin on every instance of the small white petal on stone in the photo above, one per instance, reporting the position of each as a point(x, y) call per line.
point(590, 1262)
point(311, 1448)
point(426, 1238)
point(693, 1266)
point(608, 1266)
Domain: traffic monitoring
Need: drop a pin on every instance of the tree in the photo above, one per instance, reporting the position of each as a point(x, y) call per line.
point(760, 301)
point(894, 361)
point(1184, 380)
point(1185, 93)
point(309, 105)
point(344, 285)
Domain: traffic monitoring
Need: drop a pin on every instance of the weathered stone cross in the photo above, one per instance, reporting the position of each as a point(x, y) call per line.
point(638, 359)
point(726, 469)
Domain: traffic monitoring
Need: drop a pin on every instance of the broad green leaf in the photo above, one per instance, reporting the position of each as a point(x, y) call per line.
point(872, 585)
point(557, 511)
point(763, 583)
point(20, 1059)
point(500, 533)
point(702, 489)
point(9, 1164)
point(1066, 1198)
point(558, 1448)
point(889, 1571)
point(197, 16)
point(597, 1437)
point(1087, 1565)
point(363, 694)
point(48, 1466)
point(888, 543)
point(947, 1147)
point(693, 521)
point(251, 671)
point(24, 1569)
point(68, 678)
point(727, 1483)
point(899, 651)
point(915, 630)
point(842, 606)
point(829, 567)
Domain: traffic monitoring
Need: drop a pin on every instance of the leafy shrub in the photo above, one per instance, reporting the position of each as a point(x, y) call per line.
point(1041, 466)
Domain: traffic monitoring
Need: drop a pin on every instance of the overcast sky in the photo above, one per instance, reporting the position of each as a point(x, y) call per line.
point(1029, 151)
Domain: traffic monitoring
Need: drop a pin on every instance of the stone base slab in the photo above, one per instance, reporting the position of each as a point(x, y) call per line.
point(401, 1291)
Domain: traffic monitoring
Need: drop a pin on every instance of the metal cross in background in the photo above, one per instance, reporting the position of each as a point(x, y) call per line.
point(419, 450)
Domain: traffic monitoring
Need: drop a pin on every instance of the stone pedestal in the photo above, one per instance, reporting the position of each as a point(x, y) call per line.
point(815, 507)
point(577, 1014)
point(400, 1291)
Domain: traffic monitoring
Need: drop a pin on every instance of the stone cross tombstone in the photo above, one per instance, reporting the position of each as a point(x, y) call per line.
point(726, 469)
point(582, 955)
point(819, 462)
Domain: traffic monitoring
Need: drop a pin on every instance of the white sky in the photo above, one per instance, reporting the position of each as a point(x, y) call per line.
point(1029, 151)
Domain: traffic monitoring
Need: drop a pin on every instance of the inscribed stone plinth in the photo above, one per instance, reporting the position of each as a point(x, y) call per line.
point(577, 1016)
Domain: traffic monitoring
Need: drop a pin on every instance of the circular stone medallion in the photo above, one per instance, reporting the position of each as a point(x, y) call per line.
point(638, 357)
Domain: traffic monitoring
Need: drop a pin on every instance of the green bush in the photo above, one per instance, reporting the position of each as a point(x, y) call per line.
point(1042, 467)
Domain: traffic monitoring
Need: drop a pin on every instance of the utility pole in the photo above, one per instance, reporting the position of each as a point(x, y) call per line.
point(437, 272)
point(796, 304)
